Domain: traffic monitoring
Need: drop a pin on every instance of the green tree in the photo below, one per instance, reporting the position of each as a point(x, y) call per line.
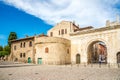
point(3, 53)
point(7, 48)
point(12, 36)
point(1, 48)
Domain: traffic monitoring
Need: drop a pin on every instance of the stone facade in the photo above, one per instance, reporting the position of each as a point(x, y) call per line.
point(58, 50)
point(22, 49)
point(68, 43)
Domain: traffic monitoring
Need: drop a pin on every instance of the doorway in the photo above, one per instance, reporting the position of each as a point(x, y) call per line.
point(29, 60)
point(78, 59)
point(118, 57)
point(39, 60)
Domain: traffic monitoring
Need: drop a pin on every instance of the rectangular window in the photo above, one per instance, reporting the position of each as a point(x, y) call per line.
point(20, 55)
point(30, 44)
point(24, 55)
point(59, 32)
point(62, 31)
point(65, 31)
point(21, 45)
point(51, 34)
point(15, 47)
point(68, 51)
point(24, 44)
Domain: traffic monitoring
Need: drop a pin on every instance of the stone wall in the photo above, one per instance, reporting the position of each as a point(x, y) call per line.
point(29, 51)
point(57, 50)
point(81, 42)
point(67, 28)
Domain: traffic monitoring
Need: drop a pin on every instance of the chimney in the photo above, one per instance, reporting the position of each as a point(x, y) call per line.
point(107, 23)
point(117, 19)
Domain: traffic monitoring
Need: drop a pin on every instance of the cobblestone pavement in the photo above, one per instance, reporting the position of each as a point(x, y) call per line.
point(57, 72)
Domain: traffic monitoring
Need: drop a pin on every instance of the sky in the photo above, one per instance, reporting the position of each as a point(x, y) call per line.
point(30, 17)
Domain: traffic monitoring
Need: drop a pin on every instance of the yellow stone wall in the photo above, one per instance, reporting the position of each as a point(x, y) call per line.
point(57, 50)
point(70, 26)
point(29, 51)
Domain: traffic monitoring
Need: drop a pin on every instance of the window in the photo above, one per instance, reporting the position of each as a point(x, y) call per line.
point(24, 55)
point(24, 44)
point(65, 31)
point(59, 32)
point(46, 50)
point(15, 47)
point(30, 43)
point(51, 34)
point(68, 51)
point(21, 45)
point(20, 55)
point(62, 31)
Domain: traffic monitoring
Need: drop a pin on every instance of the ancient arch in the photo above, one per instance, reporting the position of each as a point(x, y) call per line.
point(97, 51)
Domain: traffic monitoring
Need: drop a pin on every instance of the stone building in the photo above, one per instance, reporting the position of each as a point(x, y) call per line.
point(68, 43)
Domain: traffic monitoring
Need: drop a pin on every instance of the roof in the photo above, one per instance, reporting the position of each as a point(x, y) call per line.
point(80, 29)
point(96, 30)
point(27, 38)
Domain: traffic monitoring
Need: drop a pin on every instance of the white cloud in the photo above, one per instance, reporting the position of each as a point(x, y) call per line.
point(84, 12)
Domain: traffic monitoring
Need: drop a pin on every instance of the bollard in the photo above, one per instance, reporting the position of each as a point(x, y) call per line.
point(99, 65)
point(118, 65)
point(84, 65)
point(108, 65)
point(91, 65)
point(71, 65)
point(77, 65)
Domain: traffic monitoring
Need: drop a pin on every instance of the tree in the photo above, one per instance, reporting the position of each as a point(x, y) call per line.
point(3, 53)
point(1, 48)
point(12, 36)
point(7, 48)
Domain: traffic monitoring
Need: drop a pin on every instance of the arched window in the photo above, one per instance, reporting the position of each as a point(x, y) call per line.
point(30, 43)
point(46, 50)
point(24, 44)
point(20, 55)
point(21, 44)
point(24, 55)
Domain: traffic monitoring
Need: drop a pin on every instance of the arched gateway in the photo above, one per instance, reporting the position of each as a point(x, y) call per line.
point(97, 52)
point(96, 45)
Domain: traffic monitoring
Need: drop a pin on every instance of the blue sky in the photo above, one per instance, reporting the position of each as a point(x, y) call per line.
point(29, 17)
point(14, 20)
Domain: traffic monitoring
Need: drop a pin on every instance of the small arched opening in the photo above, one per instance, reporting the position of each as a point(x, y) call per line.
point(118, 57)
point(78, 59)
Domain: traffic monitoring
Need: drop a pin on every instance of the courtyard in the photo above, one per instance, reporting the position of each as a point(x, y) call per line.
point(57, 72)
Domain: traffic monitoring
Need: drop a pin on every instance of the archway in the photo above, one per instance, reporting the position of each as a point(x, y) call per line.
point(97, 52)
point(78, 59)
point(118, 57)
point(29, 60)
